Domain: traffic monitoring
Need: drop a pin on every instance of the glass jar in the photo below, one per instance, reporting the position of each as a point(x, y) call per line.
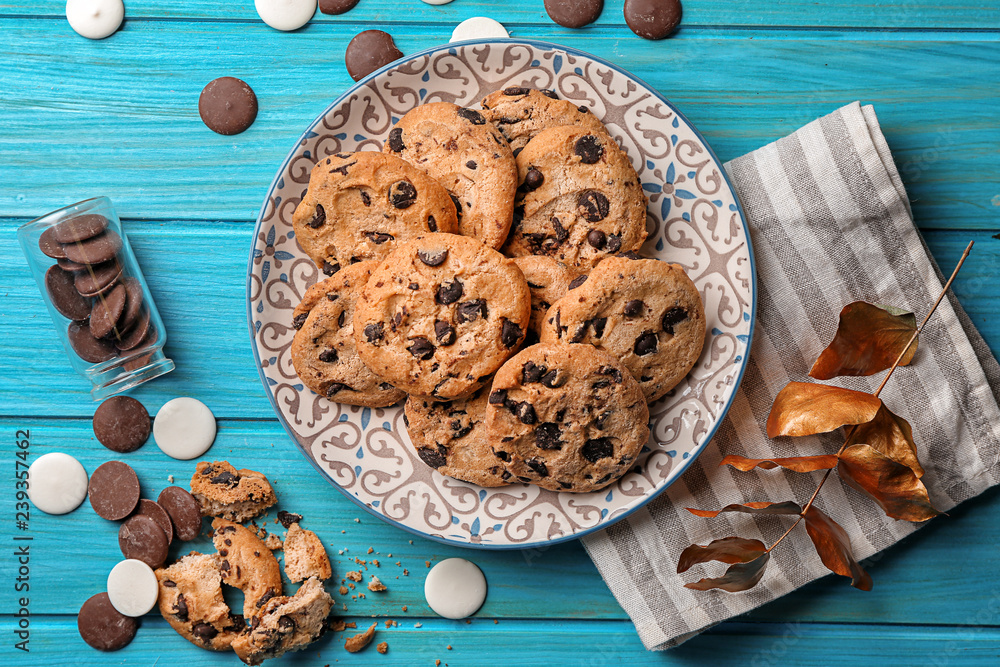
point(96, 295)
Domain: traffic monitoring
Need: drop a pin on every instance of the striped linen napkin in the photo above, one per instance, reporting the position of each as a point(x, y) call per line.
point(830, 224)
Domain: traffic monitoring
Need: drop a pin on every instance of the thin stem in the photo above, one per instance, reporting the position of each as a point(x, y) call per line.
point(850, 434)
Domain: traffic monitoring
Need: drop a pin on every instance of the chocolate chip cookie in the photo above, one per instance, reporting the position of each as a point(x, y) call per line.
point(286, 623)
point(244, 562)
point(581, 200)
point(521, 113)
point(451, 436)
point(440, 315)
point(359, 205)
point(644, 312)
point(324, 353)
point(466, 154)
point(224, 491)
point(548, 281)
point(305, 555)
point(191, 602)
point(566, 417)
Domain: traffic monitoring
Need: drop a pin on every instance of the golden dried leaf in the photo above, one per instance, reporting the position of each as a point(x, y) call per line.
point(787, 507)
point(834, 548)
point(869, 339)
point(804, 408)
point(739, 577)
point(793, 463)
point(726, 550)
point(894, 486)
point(891, 435)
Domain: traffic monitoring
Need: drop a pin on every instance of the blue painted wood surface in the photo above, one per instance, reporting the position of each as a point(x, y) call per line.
point(119, 118)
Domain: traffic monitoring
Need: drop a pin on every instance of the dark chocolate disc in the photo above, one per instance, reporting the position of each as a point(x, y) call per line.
point(67, 265)
point(90, 349)
point(133, 305)
point(184, 511)
point(136, 335)
point(154, 511)
point(80, 228)
point(63, 295)
point(227, 105)
point(96, 249)
point(368, 51)
point(113, 490)
point(94, 280)
point(104, 627)
point(48, 244)
point(574, 13)
point(121, 424)
point(652, 19)
point(336, 6)
point(107, 309)
point(141, 538)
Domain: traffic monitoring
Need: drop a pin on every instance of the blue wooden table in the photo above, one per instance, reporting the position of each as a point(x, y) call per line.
point(119, 118)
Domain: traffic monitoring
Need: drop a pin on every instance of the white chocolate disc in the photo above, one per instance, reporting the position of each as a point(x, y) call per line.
point(95, 19)
point(285, 14)
point(455, 588)
point(437, 2)
point(478, 27)
point(132, 588)
point(184, 428)
point(57, 483)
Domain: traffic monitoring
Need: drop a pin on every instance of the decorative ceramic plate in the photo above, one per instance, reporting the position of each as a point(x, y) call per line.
point(694, 219)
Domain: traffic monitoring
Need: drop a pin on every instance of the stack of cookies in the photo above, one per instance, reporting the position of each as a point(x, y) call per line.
point(484, 267)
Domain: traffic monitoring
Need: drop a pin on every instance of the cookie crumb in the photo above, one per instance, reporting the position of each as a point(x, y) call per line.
point(437, 663)
point(495, 621)
point(371, 550)
point(375, 585)
point(418, 625)
point(388, 624)
point(449, 647)
point(338, 625)
point(382, 648)
point(376, 563)
point(427, 563)
point(341, 552)
point(354, 575)
point(357, 520)
point(404, 607)
point(170, 478)
point(273, 542)
point(343, 590)
point(359, 641)
point(406, 572)
point(352, 624)
point(411, 541)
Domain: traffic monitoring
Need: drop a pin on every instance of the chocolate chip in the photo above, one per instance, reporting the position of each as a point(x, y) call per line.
point(421, 348)
point(435, 458)
point(503, 456)
point(634, 308)
point(652, 20)
point(470, 311)
point(458, 206)
point(374, 332)
point(285, 624)
point(181, 608)
point(580, 333)
point(645, 344)
point(611, 371)
point(538, 466)
point(141, 538)
point(444, 332)
point(287, 518)
point(598, 323)
point(184, 511)
point(554, 379)
point(631, 254)
point(589, 148)
point(268, 594)
point(576, 282)
point(561, 232)
point(225, 478)
point(335, 388)
point(402, 194)
point(602, 419)
point(342, 169)
point(114, 490)
point(471, 164)
point(449, 292)
point(594, 207)
point(227, 105)
point(472, 116)
point(102, 626)
point(121, 424)
point(167, 582)
point(526, 413)
point(433, 257)
point(396, 140)
point(673, 317)
point(319, 217)
point(531, 372)
point(328, 356)
point(533, 179)
point(341, 318)
point(378, 238)
point(64, 295)
point(596, 238)
point(596, 449)
point(368, 51)
point(547, 436)
point(330, 269)
point(204, 632)
point(614, 243)
point(512, 91)
point(510, 333)
point(498, 397)
point(551, 94)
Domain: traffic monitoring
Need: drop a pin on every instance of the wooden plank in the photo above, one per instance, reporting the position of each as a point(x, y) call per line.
point(917, 581)
point(119, 117)
point(385, 13)
point(552, 642)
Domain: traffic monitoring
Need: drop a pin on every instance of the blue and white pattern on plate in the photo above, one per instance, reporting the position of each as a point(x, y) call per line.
point(694, 219)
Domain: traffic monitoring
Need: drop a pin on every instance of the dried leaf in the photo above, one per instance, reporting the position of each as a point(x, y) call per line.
point(739, 577)
point(834, 548)
point(891, 435)
point(786, 507)
point(804, 408)
point(726, 550)
point(892, 485)
point(794, 463)
point(869, 339)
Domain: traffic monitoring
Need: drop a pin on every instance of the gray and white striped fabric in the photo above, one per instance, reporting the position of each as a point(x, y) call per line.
point(830, 224)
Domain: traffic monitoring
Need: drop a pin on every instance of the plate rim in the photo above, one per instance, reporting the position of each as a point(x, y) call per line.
point(684, 466)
